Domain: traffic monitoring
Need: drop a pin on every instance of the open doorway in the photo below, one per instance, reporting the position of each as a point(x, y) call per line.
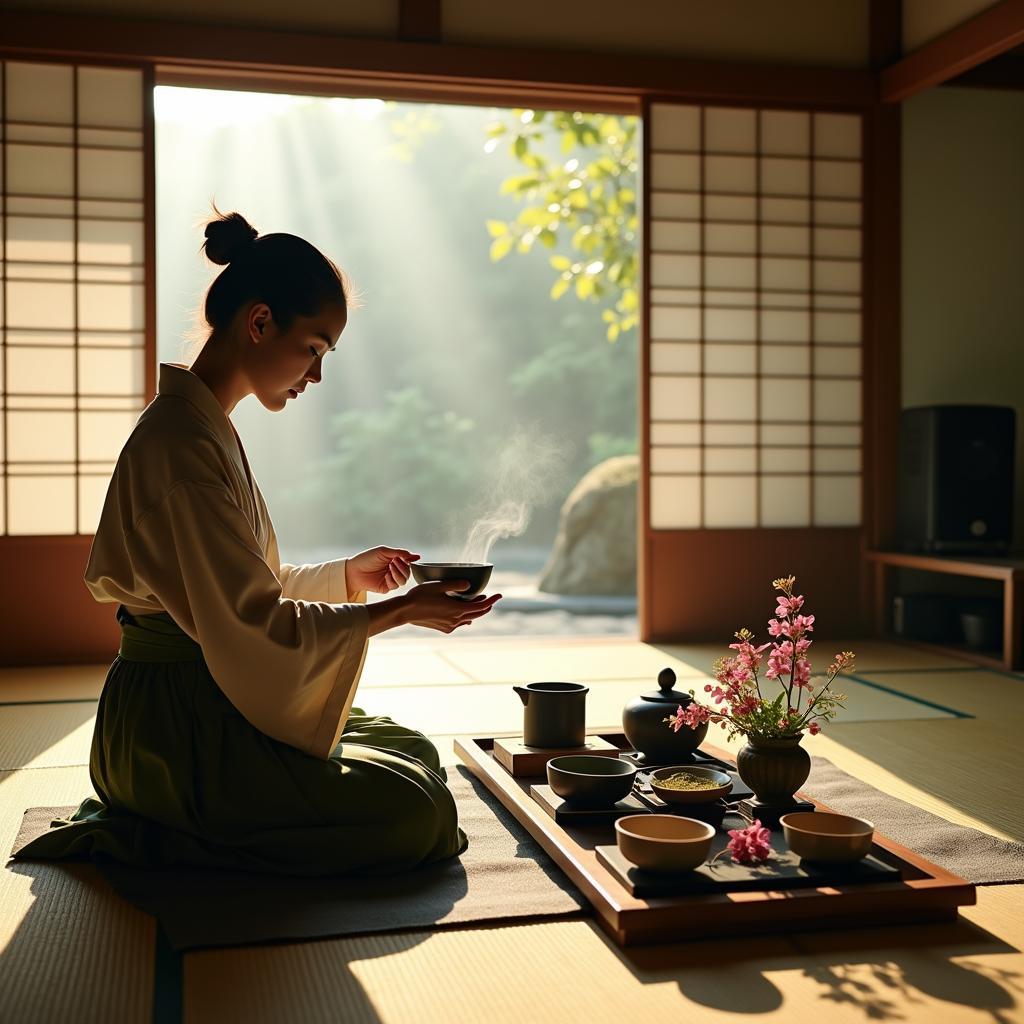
point(482, 404)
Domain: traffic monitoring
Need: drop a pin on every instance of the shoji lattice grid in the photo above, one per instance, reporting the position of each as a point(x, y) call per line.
point(72, 307)
point(754, 282)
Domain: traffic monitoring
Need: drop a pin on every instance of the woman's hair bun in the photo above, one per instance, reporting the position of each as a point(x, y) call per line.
point(227, 236)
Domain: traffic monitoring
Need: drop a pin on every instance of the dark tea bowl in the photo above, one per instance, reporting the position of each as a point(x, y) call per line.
point(590, 781)
point(477, 573)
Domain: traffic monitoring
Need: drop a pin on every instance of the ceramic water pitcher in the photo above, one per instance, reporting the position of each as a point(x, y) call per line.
point(554, 714)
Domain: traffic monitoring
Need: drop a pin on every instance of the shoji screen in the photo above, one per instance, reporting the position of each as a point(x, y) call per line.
point(755, 318)
point(754, 323)
point(72, 320)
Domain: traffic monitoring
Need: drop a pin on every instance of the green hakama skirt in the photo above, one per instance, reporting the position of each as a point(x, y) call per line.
point(182, 778)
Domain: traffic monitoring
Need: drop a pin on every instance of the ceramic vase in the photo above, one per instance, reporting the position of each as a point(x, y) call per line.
point(774, 769)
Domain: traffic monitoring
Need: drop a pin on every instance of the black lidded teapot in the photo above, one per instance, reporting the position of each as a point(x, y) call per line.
point(645, 728)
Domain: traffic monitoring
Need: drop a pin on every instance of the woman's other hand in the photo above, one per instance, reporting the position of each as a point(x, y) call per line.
point(429, 605)
point(379, 569)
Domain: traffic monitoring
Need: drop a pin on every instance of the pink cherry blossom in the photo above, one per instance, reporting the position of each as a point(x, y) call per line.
point(737, 697)
point(803, 624)
point(746, 705)
point(779, 662)
point(802, 674)
point(694, 715)
point(750, 845)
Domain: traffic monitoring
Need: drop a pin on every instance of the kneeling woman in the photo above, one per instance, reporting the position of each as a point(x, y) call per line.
point(226, 733)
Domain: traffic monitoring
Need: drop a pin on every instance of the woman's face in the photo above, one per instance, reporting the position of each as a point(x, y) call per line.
point(283, 362)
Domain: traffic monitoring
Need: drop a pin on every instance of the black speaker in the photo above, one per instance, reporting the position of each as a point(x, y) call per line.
point(955, 489)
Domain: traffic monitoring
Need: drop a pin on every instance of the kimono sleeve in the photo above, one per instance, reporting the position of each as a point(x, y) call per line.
point(318, 581)
point(289, 666)
point(321, 581)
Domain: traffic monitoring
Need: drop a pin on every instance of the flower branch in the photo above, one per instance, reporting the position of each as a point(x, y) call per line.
point(737, 701)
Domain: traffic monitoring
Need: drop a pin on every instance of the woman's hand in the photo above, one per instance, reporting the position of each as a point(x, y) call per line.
point(378, 569)
point(429, 605)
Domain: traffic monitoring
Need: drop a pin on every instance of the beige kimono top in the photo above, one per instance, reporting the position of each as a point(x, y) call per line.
point(184, 529)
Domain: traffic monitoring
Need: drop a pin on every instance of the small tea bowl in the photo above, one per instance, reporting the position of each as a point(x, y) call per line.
point(589, 781)
point(822, 836)
point(477, 573)
point(663, 842)
point(690, 796)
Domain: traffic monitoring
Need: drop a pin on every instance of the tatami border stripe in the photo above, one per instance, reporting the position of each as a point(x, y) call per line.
point(921, 671)
point(168, 981)
point(905, 696)
point(1003, 672)
point(27, 703)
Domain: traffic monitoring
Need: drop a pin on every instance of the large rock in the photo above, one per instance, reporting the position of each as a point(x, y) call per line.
point(595, 550)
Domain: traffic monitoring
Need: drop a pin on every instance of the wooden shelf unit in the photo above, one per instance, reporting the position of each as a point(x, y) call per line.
point(1008, 571)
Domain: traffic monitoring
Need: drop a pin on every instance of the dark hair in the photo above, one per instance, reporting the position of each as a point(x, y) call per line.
point(287, 273)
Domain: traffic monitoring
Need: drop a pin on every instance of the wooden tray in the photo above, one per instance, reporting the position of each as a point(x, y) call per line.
point(925, 892)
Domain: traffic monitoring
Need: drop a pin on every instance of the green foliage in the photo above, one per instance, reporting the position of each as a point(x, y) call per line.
point(408, 464)
point(584, 198)
point(410, 125)
point(604, 446)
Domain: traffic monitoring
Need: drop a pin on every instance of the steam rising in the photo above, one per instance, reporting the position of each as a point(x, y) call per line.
point(522, 477)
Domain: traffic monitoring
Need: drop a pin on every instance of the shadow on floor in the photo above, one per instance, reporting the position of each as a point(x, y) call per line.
point(76, 918)
point(880, 974)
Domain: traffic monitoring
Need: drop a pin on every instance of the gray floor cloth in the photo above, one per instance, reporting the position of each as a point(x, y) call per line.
point(974, 855)
point(502, 875)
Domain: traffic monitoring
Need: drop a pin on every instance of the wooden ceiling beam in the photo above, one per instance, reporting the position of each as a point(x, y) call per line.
point(419, 21)
point(987, 35)
point(1005, 72)
point(276, 51)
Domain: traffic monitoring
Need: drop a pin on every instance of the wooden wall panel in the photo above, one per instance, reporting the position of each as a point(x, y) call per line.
point(823, 34)
point(706, 584)
point(47, 615)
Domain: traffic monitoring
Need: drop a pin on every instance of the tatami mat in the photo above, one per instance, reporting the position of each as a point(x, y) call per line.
point(385, 666)
point(444, 700)
point(871, 655)
point(525, 662)
point(569, 972)
point(69, 949)
point(489, 708)
point(78, 955)
point(972, 690)
point(45, 735)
